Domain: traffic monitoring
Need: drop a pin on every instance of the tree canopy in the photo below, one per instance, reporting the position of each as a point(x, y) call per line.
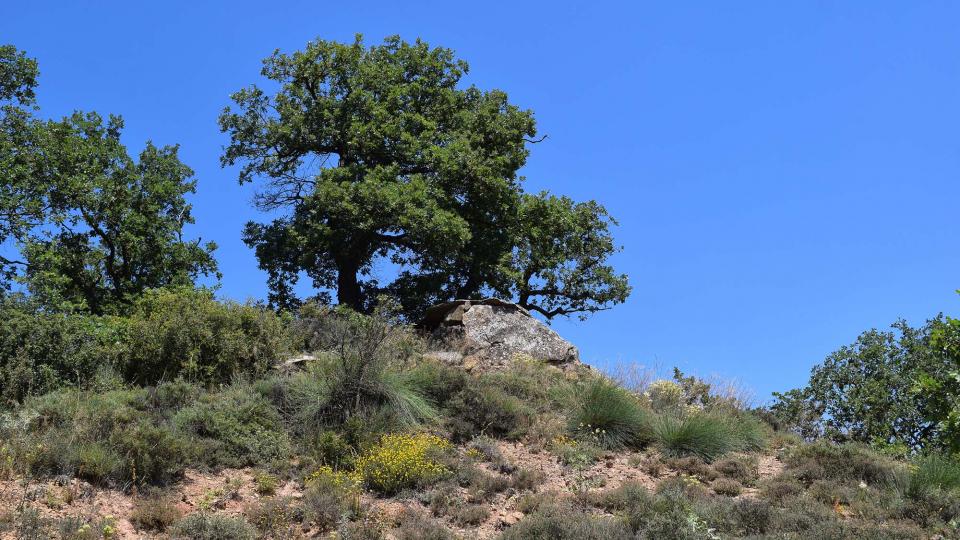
point(887, 388)
point(380, 157)
point(94, 228)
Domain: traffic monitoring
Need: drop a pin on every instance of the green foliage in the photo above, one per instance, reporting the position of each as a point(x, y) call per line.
point(935, 472)
point(362, 373)
point(41, 351)
point(94, 227)
point(113, 227)
point(114, 437)
point(847, 462)
point(186, 333)
point(379, 155)
point(203, 526)
point(708, 435)
point(868, 391)
point(941, 387)
point(559, 266)
point(610, 416)
point(235, 427)
point(410, 149)
point(484, 409)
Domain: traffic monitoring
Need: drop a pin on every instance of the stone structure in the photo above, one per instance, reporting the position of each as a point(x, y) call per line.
point(489, 334)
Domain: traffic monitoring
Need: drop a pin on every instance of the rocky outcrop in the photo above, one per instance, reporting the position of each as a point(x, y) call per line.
point(489, 334)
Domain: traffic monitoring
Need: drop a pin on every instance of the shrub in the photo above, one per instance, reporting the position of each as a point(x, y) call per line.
point(610, 417)
point(666, 396)
point(402, 460)
point(323, 506)
point(560, 522)
point(692, 466)
point(113, 437)
point(726, 486)
point(330, 496)
point(780, 489)
point(470, 515)
point(154, 513)
point(274, 517)
point(186, 333)
point(741, 469)
point(482, 409)
point(265, 483)
point(362, 372)
point(360, 530)
point(416, 526)
point(847, 462)
point(439, 382)
point(484, 486)
point(235, 428)
point(41, 351)
point(526, 479)
point(537, 384)
point(203, 526)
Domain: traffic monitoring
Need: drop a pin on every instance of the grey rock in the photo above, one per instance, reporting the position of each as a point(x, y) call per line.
point(492, 333)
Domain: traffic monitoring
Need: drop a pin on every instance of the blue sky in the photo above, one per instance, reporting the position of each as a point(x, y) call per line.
point(786, 174)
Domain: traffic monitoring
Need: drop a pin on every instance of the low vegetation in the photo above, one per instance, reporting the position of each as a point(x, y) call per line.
point(370, 420)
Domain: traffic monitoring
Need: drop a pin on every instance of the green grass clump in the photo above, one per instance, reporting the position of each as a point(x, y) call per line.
point(485, 409)
point(610, 417)
point(708, 435)
point(935, 472)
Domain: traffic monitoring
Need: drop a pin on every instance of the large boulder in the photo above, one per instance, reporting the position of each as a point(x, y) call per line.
point(490, 334)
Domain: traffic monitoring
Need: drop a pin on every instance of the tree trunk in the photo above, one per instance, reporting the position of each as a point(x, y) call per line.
point(348, 286)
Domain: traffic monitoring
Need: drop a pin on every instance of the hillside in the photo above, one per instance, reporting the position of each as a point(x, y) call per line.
point(183, 427)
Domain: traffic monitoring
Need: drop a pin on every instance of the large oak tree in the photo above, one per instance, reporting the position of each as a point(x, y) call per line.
point(379, 155)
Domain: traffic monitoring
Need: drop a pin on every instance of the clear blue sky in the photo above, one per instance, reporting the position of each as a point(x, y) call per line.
point(786, 174)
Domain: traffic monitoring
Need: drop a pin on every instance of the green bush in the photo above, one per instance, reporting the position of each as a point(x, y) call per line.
point(187, 333)
point(235, 427)
point(113, 437)
point(202, 526)
point(609, 416)
point(42, 351)
point(846, 462)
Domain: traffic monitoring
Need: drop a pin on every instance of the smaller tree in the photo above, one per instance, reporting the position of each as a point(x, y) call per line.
point(560, 265)
point(112, 227)
point(942, 387)
point(867, 391)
